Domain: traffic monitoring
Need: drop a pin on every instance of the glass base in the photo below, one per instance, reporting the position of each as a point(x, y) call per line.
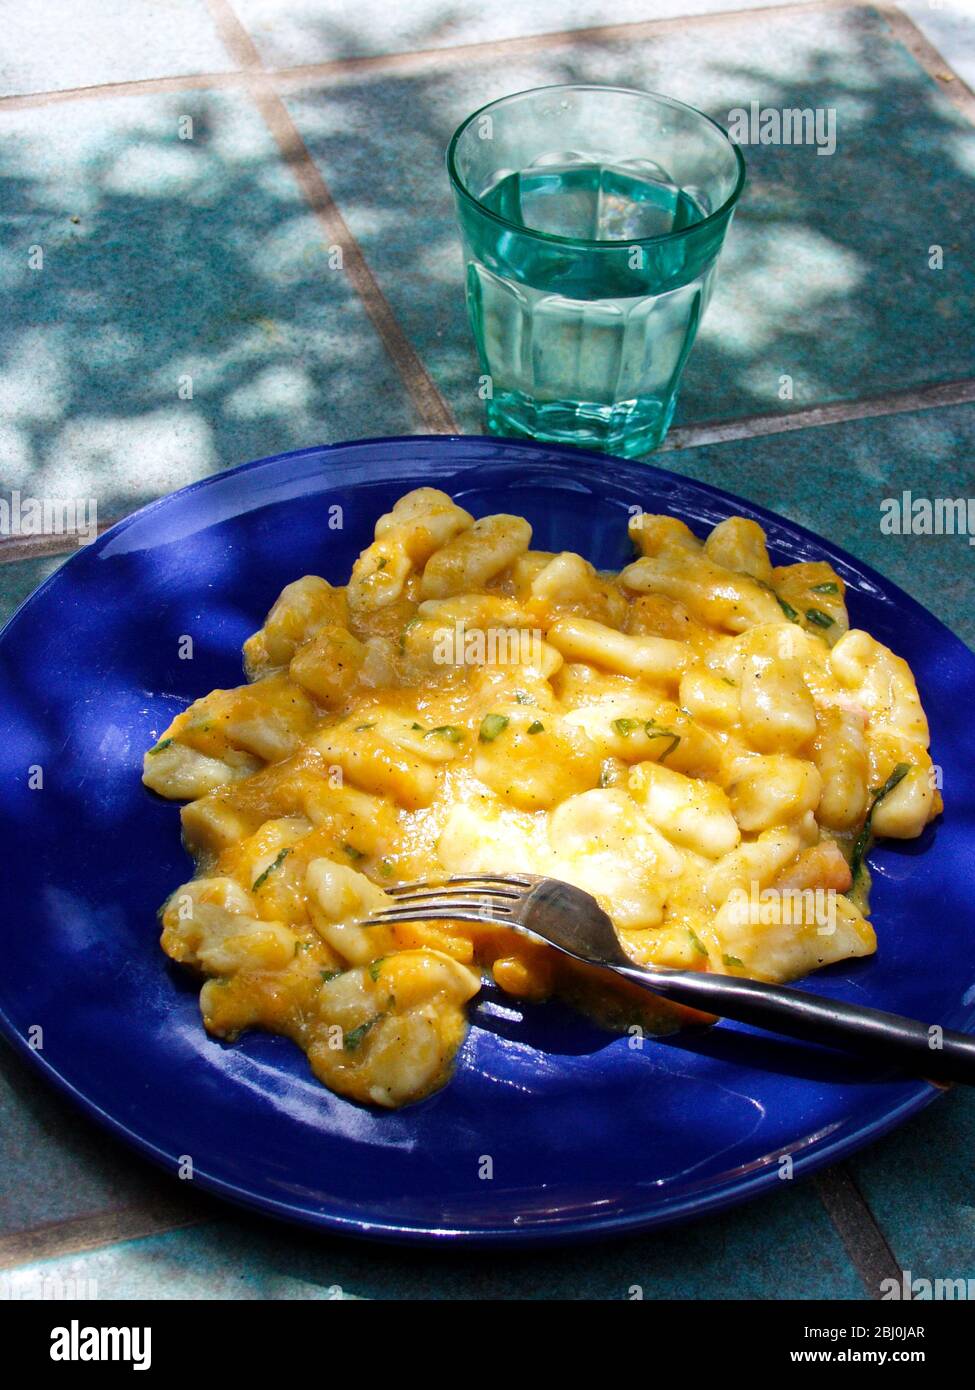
point(627, 430)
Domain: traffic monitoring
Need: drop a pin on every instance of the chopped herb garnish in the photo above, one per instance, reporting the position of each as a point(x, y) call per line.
point(733, 960)
point(448, 731)
point(402, 637)
point(417, 726)
point(655, 730)
point(625, 727)
point(491, 726)
point(353, 1040)
point(607, 773)
point(361, 728)
point(375, 967)
point(817, 616)
point(329, 975)
point(163, 743)
point(354, 853)
point(386, 868)
point(828, 588)
point(787, 609)
point(728, 681)
point(536, 727)
point(522, 697)
point(863, 839)
point(383, 562)
point(275, 864)
point(696, 942)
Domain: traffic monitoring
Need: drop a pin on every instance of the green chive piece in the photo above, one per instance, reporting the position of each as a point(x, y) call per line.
point(733, 960)
point(788, 610)
point(361, 728)
point(278, 861)
point(625, 727)
point(828, 588)
point(655, 730)
point(354, 853)
point(375, 967)
point(329, 975)
point(491, 726)
point(448, 731)
point(817, 616)
point(163, 743)
point(402, 637)
point(696, 942)
point(536, 727)
point(353, 1040)
point(863, 839)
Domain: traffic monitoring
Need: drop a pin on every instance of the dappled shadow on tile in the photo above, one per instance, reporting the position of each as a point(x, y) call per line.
point(59, 1165)
point(292, 32)
point(171, 304)
point(825, 278)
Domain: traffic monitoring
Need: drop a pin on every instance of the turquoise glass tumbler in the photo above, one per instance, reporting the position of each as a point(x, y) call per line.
point(591, 220)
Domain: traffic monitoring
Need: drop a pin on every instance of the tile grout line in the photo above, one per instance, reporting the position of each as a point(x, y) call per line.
point(424, 59)
point(812, 417)
point(14, 549)
point(80, 1234)
point(848, 1210)
point(421, 57)
point(927, 56)
point(137, 86)
point(857, 1227)
point(417, 60)
point(433, 411)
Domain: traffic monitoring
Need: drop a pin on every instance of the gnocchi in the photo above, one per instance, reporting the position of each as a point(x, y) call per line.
point(699, 741)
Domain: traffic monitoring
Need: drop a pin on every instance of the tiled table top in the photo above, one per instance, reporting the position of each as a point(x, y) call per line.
point(189, 171)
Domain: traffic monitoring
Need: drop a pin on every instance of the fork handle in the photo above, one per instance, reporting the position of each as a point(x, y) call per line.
point(905, 1042)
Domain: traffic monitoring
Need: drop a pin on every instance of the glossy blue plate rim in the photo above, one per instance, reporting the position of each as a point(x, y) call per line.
point(913, 1096)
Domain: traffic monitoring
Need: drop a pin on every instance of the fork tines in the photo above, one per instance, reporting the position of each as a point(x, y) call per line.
point(477, 897)
point(500, 885)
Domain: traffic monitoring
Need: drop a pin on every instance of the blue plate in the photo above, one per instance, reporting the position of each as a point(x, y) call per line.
point(587, 1135)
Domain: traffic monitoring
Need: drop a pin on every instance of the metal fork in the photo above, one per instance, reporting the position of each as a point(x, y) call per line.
point(571, 921)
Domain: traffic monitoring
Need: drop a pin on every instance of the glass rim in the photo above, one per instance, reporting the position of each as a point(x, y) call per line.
point(584, 242)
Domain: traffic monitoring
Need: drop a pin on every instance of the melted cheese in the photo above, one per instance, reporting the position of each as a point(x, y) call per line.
point(687, 739)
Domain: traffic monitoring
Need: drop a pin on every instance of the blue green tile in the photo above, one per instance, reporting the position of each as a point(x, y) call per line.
point(782, 1246)
point(834, 478)
point(56, 1165)
point(289, 33)
point(825, 277)
point(63, 44)
point(184, 315)
point(920, 1183)
point(20, 578)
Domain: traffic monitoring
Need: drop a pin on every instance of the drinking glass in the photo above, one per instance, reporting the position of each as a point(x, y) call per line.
point(591, 220)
